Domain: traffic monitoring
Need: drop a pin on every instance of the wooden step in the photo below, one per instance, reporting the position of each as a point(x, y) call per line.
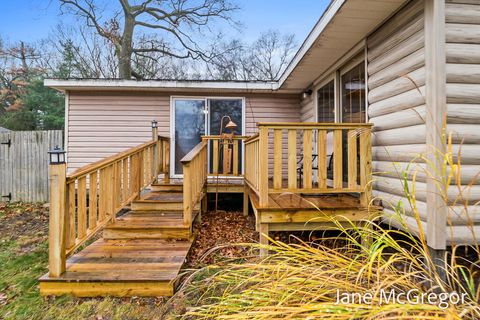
point(166, 187)
point(148, 225)
point(177, 213)
point(122, 268)
point(159, 201)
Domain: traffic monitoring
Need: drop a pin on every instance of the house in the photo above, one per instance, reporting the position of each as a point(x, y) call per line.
point(2, 129)
point(366, 93)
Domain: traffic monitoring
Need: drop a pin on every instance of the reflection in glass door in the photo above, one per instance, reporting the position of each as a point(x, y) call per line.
point(218, 108)
point(189, 127)
point(195, 117)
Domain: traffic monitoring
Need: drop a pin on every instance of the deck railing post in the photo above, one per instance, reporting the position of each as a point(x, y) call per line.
point(58, 204)
point(156, 151)
point(187, 195)
point(166, 162)
point(366, 166)
point(263, 167)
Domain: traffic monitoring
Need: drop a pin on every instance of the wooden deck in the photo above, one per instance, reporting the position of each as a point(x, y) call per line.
point(293, 212)
point(141, 252)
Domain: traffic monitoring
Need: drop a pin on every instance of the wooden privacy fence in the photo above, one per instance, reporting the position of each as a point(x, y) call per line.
point(83, 202)
point(24, 164)
point(280, 147)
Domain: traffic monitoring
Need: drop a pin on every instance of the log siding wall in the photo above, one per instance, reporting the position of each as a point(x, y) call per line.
point(463, 79)
point(396, 97)
point(462, 37)
point(104, 123)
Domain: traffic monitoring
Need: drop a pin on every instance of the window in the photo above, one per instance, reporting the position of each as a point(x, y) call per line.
point(353, 95)
point(326, 103)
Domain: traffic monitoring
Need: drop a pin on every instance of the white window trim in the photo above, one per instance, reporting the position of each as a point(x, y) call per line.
point(343, 65)
point(348, 67)
point(320, 85)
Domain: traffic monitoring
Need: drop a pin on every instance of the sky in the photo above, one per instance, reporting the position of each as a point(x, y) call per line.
point(32, 20)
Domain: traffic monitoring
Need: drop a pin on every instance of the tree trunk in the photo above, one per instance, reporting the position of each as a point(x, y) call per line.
point(125, 54)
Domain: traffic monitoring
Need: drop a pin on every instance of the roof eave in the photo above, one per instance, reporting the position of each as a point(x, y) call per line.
point(324, 20)
point(159, 85)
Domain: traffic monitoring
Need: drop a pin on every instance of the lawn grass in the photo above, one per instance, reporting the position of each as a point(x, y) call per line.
point(24, 257)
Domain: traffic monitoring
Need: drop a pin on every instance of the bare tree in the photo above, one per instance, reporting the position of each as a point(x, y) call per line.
point(88, 54)
point(270, 55)
point(231, 65)
point(177, 21)
point(265, 59)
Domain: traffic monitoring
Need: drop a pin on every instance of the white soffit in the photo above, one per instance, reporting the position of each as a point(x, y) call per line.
point(343, 25)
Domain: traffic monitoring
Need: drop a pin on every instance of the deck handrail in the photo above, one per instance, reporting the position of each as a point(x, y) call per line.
point(268, 147)
point(83, 202)
point(313, 125)
point(251, 138)
point(106, 161)
point(194, 179)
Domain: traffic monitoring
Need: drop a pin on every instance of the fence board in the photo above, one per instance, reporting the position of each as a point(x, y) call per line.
point(24, 164)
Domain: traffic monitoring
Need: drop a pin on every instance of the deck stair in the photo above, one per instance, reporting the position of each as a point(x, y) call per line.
point(148, 225)
point(174, 185)
point(140, 254)
point(160, 201)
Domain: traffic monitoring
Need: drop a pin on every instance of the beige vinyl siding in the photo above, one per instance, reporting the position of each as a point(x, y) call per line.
point(270, 108)
point(101, 124)
point(307, 112)
point(396, 89)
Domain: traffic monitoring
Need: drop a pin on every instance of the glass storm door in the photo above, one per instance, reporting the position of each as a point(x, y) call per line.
point(217, 109)
point(188, 127)
point(195, 117)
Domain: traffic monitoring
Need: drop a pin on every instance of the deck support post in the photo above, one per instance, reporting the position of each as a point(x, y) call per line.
point(263, 167)
point(245, 199)
point(263, 230)
point(58, 204)
point(203, 207)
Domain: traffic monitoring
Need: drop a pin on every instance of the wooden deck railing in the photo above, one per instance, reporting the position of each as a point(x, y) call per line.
point(252, 161)
point(194, 179)
point(309, 140)
point(83, 202)
point(220, 146)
